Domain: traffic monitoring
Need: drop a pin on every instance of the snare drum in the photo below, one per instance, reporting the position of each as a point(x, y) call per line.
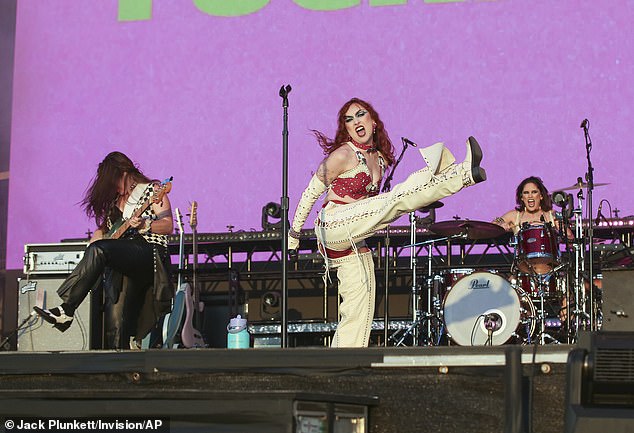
point(452, 276)
point(480, 296)
point(537, 249)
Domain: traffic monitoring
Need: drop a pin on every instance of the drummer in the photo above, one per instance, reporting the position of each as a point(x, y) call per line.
point(534, 206)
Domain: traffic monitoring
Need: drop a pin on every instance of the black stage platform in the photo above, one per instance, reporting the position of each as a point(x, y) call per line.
point(404, 389)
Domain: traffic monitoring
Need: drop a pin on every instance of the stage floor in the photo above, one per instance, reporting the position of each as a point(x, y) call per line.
point(407, 389)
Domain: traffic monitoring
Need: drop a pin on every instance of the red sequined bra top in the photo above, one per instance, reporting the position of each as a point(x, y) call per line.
point(357, 183)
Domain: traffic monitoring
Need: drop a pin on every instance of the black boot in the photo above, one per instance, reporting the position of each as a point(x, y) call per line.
point(57, 316)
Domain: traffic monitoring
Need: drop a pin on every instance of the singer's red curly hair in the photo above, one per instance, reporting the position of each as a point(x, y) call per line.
point(380, 137)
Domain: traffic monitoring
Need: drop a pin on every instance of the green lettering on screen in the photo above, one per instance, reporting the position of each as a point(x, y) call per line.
point(230, 8)
point(327, 5)
point(443, 1)
point(135, 10)
point(387, 2)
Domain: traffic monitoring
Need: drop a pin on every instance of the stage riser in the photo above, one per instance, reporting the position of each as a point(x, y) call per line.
point(410, 400)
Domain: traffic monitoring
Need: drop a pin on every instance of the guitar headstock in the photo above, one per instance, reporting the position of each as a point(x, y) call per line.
point(193, 216)
point(179, 220)
point(161, 189)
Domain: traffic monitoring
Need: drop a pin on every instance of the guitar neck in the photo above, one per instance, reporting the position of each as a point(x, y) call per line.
point(195, 265)
point(126, 224)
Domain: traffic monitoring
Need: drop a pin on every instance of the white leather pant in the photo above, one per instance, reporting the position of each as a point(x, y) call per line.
point(357, 291)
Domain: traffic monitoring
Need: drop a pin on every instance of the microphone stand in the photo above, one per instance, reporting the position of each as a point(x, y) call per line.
point(388, 181)
point(590, 179)
point(284, 91)
point(387, 185)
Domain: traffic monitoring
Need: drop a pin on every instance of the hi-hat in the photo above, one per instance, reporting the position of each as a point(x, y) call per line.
point(430, 206)
point(579, 185)
point(472, 229)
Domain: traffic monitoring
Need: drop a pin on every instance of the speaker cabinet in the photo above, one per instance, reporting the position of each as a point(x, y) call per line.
point(38, 335)
point(618, 300)
point(216, 315)
point(600, 383)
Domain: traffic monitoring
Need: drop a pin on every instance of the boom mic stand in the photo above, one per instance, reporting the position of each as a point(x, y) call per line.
point(585, 125)
point(284, 91)
point(387, 185)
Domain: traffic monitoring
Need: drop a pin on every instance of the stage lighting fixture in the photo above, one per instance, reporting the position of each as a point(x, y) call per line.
point(270, 305)
point(271, 210)
point(564, 201)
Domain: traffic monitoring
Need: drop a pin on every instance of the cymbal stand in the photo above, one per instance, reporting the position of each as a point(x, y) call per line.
point(541, 282)
point(413, 261)
point(433, 297)
point(416, 313)
point(579, 314)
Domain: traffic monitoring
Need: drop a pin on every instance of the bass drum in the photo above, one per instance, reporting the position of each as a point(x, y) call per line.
point(482, 300)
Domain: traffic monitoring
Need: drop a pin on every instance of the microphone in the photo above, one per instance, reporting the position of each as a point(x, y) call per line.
point(599, 215)
point(408, 141)
point(492, 322)
point(584, 124)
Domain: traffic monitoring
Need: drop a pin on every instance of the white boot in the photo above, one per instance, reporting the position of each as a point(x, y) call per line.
point(471, 163)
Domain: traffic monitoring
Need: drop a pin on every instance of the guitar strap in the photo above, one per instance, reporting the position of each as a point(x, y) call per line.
point(136, 199)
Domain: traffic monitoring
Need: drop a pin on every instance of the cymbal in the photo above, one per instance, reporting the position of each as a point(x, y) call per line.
point(473, 229)
point(579, 186)
point(430, 206)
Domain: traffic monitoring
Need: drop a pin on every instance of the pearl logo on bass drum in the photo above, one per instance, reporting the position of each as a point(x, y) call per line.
point(480, 284)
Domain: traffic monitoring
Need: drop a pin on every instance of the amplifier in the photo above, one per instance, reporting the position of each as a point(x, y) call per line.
point(38, 335)
point(618, 303)
point(60, 258)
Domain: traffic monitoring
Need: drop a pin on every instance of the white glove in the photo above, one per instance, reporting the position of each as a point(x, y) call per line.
point(293, 243)
point(311, 194)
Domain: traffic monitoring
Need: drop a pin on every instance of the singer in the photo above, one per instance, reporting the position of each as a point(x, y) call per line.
point(353, 209)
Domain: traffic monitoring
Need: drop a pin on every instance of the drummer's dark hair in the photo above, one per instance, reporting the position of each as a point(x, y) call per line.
point(546, 202)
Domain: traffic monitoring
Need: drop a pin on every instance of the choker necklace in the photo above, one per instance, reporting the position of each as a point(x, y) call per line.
point(365, 147)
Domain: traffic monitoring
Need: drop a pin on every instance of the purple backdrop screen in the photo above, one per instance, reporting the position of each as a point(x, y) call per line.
point(190, 89)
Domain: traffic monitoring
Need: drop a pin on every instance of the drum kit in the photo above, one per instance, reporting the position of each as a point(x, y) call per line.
point(470, 307)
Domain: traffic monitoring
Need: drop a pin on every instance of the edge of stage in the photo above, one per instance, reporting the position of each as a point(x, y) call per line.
point(405, 389)
point(209, 360)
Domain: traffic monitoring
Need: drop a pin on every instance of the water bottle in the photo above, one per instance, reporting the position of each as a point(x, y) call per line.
point(237, 334)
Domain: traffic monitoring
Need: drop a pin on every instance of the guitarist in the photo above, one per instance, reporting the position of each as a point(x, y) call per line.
point(133, 265)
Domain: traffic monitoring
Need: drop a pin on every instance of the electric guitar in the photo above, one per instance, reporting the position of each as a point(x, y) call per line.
point(173, 321)
point(122, 225)
point(190, 336)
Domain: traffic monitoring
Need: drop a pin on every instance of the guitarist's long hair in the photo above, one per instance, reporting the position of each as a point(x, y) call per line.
point(101, 195)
